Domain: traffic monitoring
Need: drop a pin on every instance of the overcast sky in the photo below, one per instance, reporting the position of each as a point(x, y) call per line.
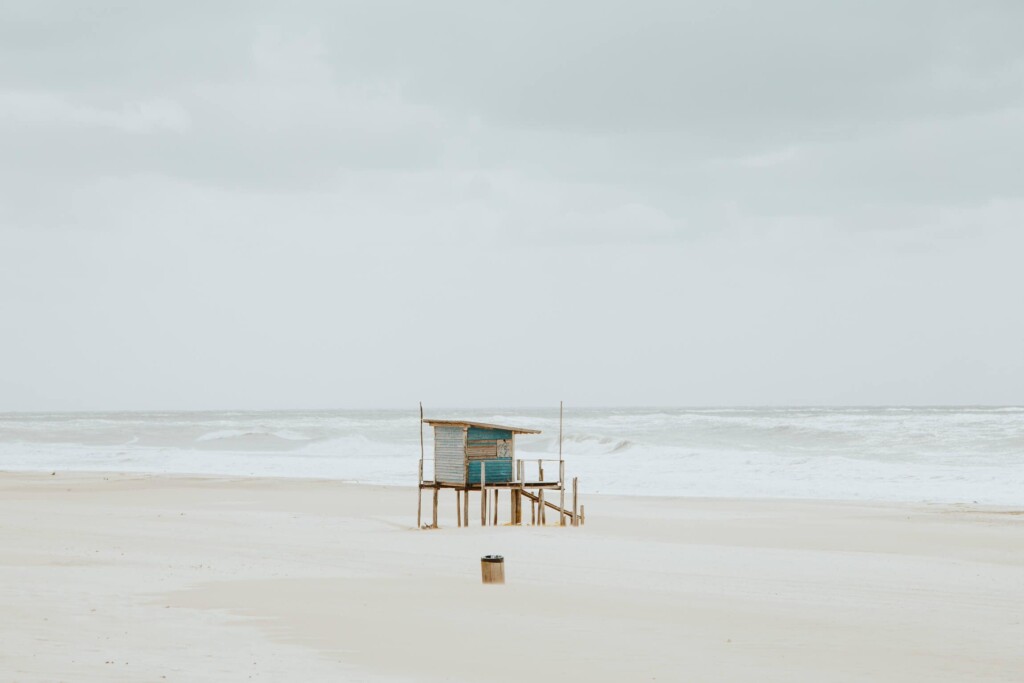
point(367, 204)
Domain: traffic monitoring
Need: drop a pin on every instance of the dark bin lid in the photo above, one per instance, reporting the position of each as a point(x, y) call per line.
point(492, 558)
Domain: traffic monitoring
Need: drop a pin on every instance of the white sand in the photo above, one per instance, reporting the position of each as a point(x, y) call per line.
point(129, 578)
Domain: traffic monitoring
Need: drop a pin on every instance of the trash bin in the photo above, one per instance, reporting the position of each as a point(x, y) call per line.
point(492, 568)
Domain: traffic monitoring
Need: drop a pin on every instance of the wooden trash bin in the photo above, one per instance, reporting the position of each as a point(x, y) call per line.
point(492, 568)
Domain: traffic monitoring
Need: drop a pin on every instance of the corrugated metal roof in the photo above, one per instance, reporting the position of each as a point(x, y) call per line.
point(480, 425)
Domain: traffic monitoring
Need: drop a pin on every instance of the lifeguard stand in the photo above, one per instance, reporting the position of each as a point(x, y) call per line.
point(480, 457)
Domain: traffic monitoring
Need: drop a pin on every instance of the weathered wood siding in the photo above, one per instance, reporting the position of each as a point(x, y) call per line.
point(450, 455)
point(492, 446)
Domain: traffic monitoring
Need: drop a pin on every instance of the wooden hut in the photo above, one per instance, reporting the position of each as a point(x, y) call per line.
point(464, 450)
point(481, 457)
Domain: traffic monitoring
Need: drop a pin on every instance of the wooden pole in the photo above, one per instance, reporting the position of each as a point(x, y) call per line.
point(561, 492)
point(458, 508)
point(419, 484)
point(542, 517)
point(560, 430)
point(561, 467)
point(575, 500)
point(437, 490)
point(583, 515)
point(483, 494)
point(495, 507)
point(419, 498)
point(465, 504)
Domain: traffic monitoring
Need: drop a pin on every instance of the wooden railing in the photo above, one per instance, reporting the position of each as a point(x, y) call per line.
point(524, 467)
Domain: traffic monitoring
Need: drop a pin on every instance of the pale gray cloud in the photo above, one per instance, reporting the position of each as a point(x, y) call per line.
point(257, 205)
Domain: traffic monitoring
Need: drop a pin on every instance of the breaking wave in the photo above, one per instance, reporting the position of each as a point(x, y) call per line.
point(594, 445)
point(969, 454)
point(232, 434)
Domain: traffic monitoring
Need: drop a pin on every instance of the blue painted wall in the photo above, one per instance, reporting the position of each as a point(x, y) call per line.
point(477, 434)
point(498, 470)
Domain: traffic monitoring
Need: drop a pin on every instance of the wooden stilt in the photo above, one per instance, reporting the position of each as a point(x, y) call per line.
point(533, 512)
point(575, 500)
point(465, 505)
point(495, 507)
point(483, 493)
point(561, 492)
point(437, 491)
point(458, 508)
point(542, 517)
point(419, 506)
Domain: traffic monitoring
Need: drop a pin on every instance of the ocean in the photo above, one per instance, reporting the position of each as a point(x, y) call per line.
point(929, 454)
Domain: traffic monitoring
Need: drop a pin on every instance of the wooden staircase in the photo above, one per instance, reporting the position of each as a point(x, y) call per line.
point(567, 516)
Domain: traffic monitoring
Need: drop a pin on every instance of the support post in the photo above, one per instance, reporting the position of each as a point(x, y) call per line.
point(542, 517)
point(575, 500)
point(465, 504)
point(561, 492)
point(419, 497)
point(458, 509)
point(437, 491)
point(483, 494)
point(495, 507)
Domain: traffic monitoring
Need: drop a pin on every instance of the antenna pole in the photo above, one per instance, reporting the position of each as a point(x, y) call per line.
point(559, 430)
point(561, 471)
point(419, 484)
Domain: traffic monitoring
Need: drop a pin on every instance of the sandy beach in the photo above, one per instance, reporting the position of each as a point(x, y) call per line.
point(151, 578)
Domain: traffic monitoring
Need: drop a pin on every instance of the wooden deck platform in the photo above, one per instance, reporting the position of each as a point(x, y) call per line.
point(493, 485)
point(532, 491)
